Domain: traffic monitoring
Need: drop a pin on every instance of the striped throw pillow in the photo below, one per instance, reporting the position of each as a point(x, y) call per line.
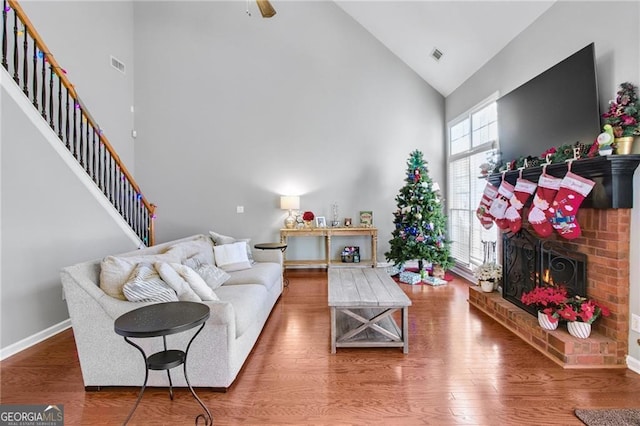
point(145, 285)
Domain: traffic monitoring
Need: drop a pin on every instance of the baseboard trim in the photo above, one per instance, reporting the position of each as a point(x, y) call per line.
point(633, 364)
point(27, 342)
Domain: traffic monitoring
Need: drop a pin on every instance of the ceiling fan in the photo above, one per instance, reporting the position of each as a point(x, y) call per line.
point(266, 9)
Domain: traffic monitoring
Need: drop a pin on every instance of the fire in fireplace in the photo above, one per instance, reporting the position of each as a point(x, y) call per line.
point(529, 262)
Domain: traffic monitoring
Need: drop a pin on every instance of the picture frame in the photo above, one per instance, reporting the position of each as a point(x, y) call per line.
point(366, 218)
point(321, 222)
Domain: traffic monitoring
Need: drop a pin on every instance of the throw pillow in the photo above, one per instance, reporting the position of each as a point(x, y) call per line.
point(145, 285)
point(194, 261)
point(219, 239)
point(214, 277)
point(175, 281)
point(232, 257)
point(115, 270)
point(195, 281)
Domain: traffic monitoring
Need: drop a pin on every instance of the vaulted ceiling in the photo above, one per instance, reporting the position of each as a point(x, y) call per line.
point(467, 33)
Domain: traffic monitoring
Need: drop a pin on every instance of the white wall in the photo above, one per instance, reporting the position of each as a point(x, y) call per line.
point(565, 28)
point(82, 36)
point(237, 110)
point(49, 219)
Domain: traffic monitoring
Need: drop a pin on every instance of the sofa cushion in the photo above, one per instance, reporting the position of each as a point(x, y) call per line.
point(232, 257)
point(115, 270)
point(145, 285)
point(264, 273)
point(248, 303)
point(200, 248)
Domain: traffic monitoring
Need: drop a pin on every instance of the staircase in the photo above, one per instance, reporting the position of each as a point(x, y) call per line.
point(43, 81)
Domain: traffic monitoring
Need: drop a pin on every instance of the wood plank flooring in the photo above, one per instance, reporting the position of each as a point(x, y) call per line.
point(462, 369)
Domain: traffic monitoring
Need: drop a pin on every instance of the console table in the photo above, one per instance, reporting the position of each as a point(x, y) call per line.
point(326, 234)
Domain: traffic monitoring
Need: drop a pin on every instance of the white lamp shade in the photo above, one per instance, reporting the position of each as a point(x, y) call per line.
point(289, 202)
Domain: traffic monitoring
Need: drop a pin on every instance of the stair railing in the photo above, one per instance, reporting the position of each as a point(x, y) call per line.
point(35, 70)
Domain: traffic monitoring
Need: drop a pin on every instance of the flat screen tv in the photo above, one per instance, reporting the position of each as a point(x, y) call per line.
point(558, 107)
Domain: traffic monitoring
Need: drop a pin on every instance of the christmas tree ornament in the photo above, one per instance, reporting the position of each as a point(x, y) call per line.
point(573, 190)
point(482, 213)
point(547, 188)
point(522, 191)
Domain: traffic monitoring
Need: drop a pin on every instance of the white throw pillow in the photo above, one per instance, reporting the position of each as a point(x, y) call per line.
point(214, 277)
point(145, 285)
point(175, 281)
point(195, 281)
point(219, 239)
point(232, 257)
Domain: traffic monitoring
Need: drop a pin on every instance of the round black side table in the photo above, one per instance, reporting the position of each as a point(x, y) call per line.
point(163, 319)
point(275, 246)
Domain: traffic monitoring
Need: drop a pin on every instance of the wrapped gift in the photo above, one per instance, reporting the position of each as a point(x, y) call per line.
point(394, 270)
point(410, 278)
point(434, 281)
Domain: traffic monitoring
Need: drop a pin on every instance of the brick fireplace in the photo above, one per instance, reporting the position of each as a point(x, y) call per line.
point(605, 243)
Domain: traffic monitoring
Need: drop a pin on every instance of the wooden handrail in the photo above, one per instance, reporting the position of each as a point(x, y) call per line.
point(59, 71)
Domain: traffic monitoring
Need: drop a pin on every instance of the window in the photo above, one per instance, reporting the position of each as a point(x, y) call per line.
point(472, 140)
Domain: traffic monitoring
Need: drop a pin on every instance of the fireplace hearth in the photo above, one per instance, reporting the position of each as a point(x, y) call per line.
point(530, 262)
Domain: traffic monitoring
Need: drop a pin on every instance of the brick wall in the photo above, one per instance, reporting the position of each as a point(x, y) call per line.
point(605, 240)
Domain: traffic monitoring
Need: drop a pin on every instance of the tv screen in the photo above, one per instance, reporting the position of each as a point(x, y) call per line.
point(559, 106)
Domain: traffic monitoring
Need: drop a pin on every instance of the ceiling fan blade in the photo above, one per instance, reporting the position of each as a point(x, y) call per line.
point(266, 9)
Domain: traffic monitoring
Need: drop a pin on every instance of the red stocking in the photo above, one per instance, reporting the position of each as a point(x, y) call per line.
point(489, 194)
point(547, 188)
point(573, 190)
point(500, 204)
point(521, 193)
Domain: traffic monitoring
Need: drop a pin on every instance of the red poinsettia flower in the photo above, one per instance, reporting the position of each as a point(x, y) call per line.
point(582, 309)
point(544, 297)
point(568, 313)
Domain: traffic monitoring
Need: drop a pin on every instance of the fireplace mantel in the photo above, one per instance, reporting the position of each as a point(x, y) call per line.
point(613, 175)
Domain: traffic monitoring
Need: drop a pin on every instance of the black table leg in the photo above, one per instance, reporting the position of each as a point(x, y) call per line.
point(146, 377)
point(208, 420)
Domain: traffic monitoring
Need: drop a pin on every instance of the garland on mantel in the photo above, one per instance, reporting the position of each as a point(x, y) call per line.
point(550, 156)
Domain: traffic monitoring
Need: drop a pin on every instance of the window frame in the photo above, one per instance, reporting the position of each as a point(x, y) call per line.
point(465, 270)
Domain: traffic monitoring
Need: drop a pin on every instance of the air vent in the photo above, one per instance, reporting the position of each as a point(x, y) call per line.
point(117, 64)
point(436, 54)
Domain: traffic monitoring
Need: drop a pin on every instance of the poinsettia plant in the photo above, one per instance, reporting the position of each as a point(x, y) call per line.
point(581, 309)
point(624, 112)
point(547, 299)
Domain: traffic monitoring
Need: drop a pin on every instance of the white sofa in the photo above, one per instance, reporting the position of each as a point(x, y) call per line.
point(216, 355)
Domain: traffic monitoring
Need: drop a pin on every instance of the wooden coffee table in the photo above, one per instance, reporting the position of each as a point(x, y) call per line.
point(362, 301)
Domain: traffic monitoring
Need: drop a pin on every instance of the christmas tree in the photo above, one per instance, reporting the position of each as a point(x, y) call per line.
point(420, 224)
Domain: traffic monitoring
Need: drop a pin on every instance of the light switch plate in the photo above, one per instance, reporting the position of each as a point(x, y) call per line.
point(240, 209)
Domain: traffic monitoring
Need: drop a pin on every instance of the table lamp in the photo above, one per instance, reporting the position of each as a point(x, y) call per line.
point(290, 202)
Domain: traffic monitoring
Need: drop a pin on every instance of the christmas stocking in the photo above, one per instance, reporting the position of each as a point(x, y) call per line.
point(521, 193)
point(547, 188)
point(573, 190)
point(500, 204)
point(489, 194)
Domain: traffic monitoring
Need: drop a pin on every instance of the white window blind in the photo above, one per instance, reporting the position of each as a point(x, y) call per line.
point(472, 138)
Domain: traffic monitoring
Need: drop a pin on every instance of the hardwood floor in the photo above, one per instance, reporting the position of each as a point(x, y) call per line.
point(461, 369)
